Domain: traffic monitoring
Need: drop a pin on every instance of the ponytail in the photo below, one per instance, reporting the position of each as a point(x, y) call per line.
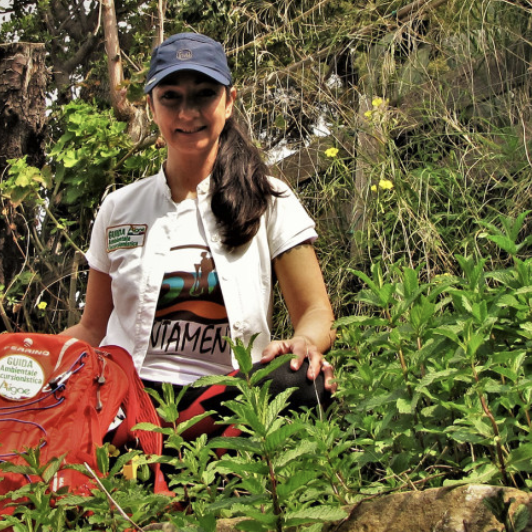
point(240, 187)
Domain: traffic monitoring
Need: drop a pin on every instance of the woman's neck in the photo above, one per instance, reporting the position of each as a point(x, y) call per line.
point(183, 177)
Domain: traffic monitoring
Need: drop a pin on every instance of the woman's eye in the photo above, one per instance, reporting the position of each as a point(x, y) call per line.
point(206, 93)
point(169, 96)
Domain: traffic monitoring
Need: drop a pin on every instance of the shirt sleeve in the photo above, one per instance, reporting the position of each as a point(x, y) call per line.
point(97, 255)
point(288, 223)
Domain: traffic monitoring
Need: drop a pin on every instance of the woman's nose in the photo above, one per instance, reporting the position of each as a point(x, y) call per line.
point(189, 107)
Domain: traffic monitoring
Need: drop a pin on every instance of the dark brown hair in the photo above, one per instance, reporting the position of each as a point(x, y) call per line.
point(240, 188)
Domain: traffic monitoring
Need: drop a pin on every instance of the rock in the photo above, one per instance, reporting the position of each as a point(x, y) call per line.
point(459, 509)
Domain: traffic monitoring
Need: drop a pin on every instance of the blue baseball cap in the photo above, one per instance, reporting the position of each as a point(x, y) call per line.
point(188, 51)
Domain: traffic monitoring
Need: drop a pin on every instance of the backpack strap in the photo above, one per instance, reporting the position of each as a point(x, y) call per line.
point(138, 408)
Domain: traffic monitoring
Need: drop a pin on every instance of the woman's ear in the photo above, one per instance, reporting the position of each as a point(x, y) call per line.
point(231, 97)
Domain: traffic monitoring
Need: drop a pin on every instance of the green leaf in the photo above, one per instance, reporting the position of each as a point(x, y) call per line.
point(185, 425)
point(302, 448)
point(211, 380)
point(277, 439)
point(102, 458)
point(241, 468)
point(277, 405)
point(153, 428)
point(505, 243)
point(243, 353)
point(244, 501)
point(237, 444)
point(521, 518)
point(322, 513)
point(520, 459)
point(303, 478)
point(277, 362)
point(483, 474)
point(52, 468)
point(404, 406)
point(360, 320)
point(9, 467)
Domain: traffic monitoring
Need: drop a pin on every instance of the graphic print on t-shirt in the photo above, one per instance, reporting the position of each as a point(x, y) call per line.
point(191, 319)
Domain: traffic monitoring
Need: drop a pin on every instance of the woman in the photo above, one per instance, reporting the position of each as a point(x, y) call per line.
point(182, 259)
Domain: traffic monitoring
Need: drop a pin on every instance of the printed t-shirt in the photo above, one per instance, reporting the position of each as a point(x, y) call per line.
point(188, 337)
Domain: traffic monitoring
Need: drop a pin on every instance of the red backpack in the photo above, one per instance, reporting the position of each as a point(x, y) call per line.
point(61, 395)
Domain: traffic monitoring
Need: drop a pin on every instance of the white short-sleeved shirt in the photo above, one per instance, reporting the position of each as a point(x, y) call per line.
point(132, 236)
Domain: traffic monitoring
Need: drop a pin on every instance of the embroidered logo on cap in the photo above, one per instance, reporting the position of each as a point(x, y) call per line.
point(184, 55)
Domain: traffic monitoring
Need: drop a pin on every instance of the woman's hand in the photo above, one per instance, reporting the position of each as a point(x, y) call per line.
point(302, 348)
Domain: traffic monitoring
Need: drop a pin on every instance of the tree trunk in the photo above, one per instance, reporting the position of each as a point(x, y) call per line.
point(23, 78)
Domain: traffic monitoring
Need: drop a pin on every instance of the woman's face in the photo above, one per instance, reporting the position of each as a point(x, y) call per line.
point(190, 110)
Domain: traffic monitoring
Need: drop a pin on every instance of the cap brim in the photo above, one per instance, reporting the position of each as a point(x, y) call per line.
point(214, 74)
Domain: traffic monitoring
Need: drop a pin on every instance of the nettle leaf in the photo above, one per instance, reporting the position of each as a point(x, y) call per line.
point(448, 332)
point(154, 428)
point(298, 480)
point(521, 518)
point(237, 444)
point(185, 425)
point(404, 406)
point(464, 435)
point(365, 373)
point(102, 458)
point(360, 320)
point(8, 467)
point(277, 405)
point(474, 343)
point(246, 415)
point(322, 513)
point(241, 467)
point(211, 380)
point(483, 474)
point(122, 460)
point(436, 376)
point(52, 468)
point(304, 447)
point(243, 353)
point(243, 503)
point(520, 459)
point(383, 399)
point(257, 526)
point(505, 243)
point(277, 362)
point(277, 439)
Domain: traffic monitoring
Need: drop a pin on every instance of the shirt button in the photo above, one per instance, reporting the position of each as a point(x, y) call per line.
point(215, 238)
point(238, 325)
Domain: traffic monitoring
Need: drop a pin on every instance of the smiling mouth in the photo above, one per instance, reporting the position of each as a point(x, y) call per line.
point(191, 131)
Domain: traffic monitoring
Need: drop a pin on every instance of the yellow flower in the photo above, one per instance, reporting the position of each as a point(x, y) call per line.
point(385, 184)
point(377, 102)
point(368, 114)
point(42, 305)
point(331, 152)
point(373, 188)
point(113, 451)
point(130, 469)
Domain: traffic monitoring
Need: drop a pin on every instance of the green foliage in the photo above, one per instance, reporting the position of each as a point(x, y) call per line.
point(89, 155)
point(90, 146)
point(440, 373)
point(24, 182)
